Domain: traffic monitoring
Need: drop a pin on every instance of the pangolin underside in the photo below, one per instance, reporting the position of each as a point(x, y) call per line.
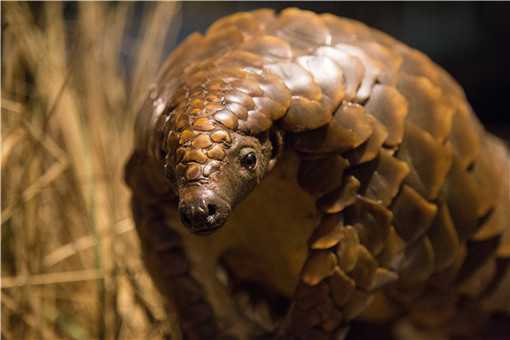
point(348, 174)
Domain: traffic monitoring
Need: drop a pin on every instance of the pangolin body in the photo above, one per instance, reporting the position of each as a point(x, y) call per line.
point(383, 197)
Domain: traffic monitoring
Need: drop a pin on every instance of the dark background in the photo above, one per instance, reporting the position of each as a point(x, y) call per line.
point(470, 40)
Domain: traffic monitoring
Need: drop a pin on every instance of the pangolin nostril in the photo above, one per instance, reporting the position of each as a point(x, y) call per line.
point(211, 209)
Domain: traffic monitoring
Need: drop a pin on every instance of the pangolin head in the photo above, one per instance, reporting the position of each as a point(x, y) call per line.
point(219, 142)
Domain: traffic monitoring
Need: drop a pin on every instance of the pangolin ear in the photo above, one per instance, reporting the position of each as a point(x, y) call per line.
point(277, 140)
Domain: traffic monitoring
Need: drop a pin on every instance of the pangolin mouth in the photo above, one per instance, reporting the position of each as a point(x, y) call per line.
point(204, 232)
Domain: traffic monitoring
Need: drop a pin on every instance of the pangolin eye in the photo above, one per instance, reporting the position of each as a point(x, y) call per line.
point(249, 160)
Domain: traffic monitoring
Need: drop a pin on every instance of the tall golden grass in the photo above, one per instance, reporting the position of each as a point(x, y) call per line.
point(71, 266)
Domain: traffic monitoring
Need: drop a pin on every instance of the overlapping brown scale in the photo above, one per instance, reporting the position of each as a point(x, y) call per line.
point(372, 72)
point(465, 135)
point(427, 106)
point(275, 89)
point(390, 108)
point(229, 75)
point(216, 85)
point(337, 200)
point(301, 28)
point(327, 75)
point(245, 22)
point(497, 221)
point(413, 215)
point(181, 121)
point(256, 123)
point(429, 161)
point(364, 270)
point(269, 108)
point(490, 185)
point(242, 59)
point(216, 152)
point(479, 255)
point(418, 64)
point(328, 233)
point(503, 250)
point(321, 176)
point(352, 69)
point(180, 152)
point(330, 315)
point(221, 136)
point(186, 136)
point(248, 85)
point(203, 124)
point(371, 148)
point(242, 100)
point(464, 201)
point(304, 315)
point(263, 16)
point(214, 97)
point(347, 251)
point(386, 180)
point(304, 114)
point(341, 286)
point(194, 155)
point(195, 103)
point(387, 56)
point(443, 238)
point(344, 29)
point(211, 107)
point(349, 128)
point(268, 46)
point(196, 78)
point(498, 183)
point(381, 278)
point(393, 252)
point(496, 224)
point(296, 79)
point(446, 277)
point(332, 320)
point(220, 41)
point(308, 297)
point(193, 172)
point(372, 222)
point(364, 33)
point(418, 264)
point(474, 285)
point(199, 66)
point(226, 118)
point(357, 303)
point(201, 141)
point(180, 95)
point(319, 265)
point(185, 53)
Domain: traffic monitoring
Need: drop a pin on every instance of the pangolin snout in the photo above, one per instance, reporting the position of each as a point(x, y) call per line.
point(202, 211)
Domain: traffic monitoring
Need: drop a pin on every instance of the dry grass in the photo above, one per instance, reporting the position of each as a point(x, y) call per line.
point(70, 258)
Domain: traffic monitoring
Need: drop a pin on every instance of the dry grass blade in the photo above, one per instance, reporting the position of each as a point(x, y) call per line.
point(51, 278)
point(70, 258)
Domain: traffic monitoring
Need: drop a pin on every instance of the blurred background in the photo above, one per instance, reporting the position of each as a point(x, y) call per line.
point(73, 76)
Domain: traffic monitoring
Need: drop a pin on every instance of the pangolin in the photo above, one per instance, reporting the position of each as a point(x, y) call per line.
point(293, 172)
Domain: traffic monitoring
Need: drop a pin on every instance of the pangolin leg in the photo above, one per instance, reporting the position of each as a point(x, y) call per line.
point(166, 258)
point(327, 297)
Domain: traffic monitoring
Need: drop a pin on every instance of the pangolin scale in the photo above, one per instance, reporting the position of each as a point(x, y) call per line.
point(348, 174)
